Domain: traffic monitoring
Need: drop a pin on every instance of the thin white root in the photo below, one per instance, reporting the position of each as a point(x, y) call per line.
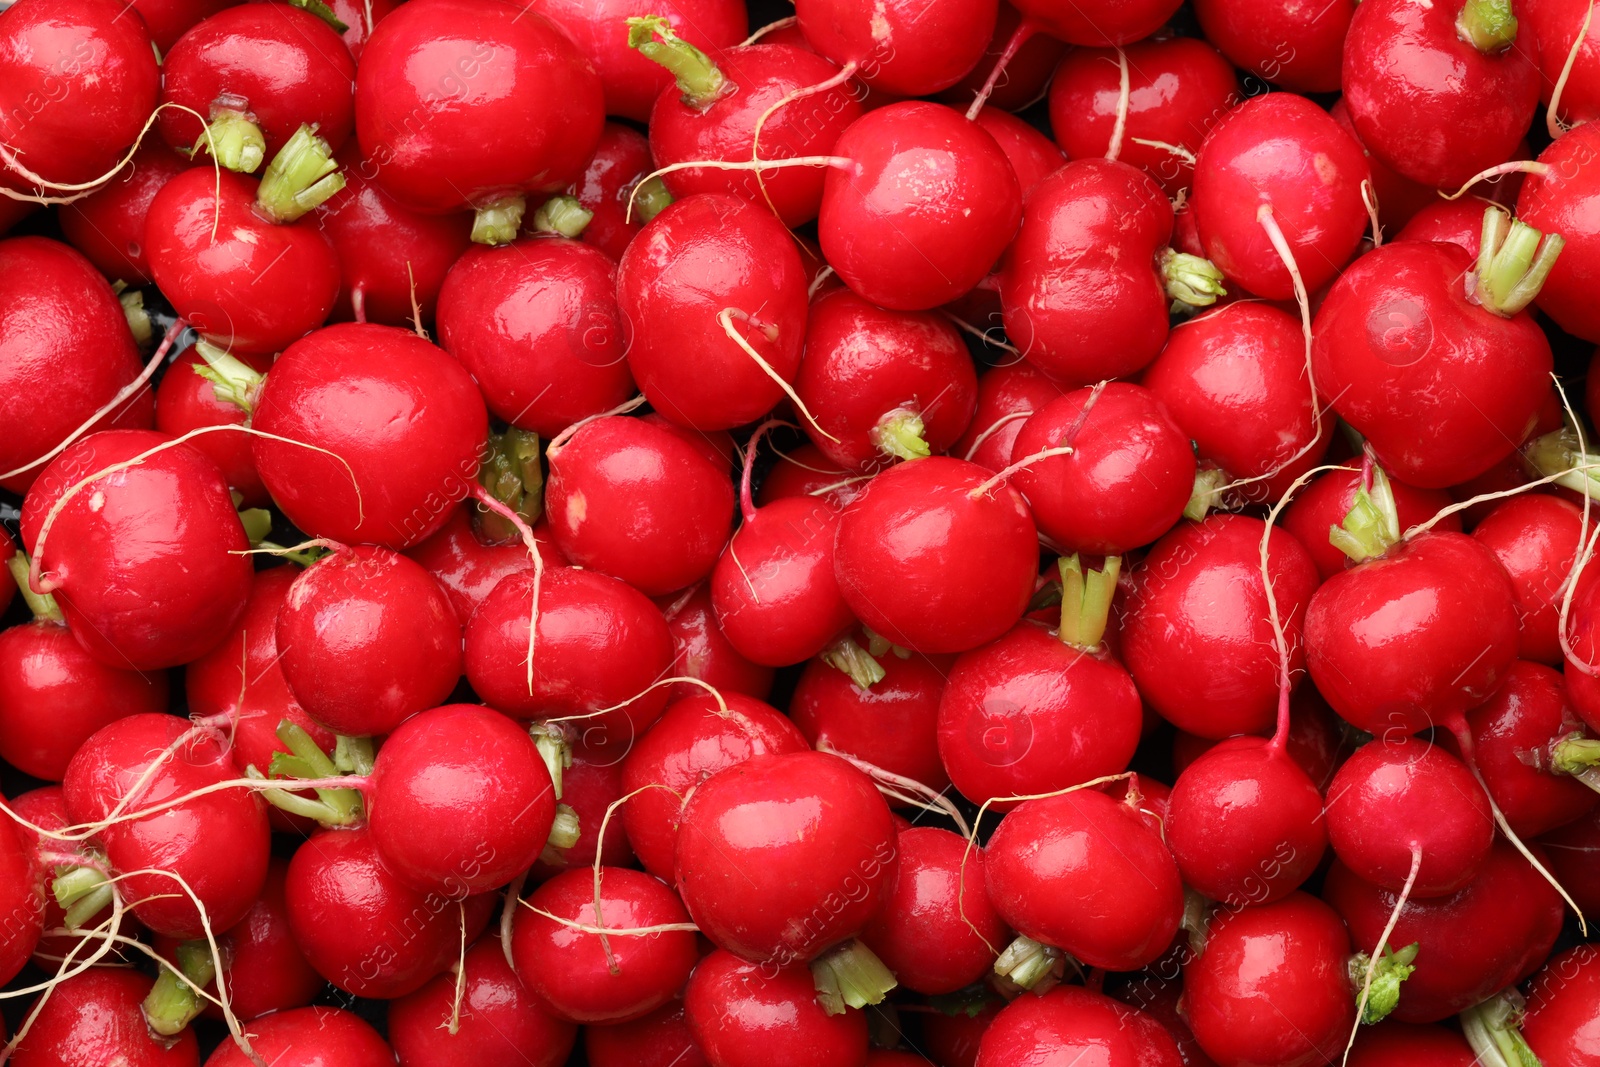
point(725, 319)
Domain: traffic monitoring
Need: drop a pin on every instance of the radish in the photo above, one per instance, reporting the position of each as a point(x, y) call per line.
point(107, 226)
point(1328, 499)
point(660, 1039)
point(1007, 394)
point(1563, 1004)
point(936, 556)
point(433, 154)
point(174, 581)
point(468, 567)
point(923, 209)
point(257, 73)
point(900, 47)
point(360, 18)
point(591, 978)
point(692, 742)
point(700, 650)
point(806, 471)
point(392, 260)
point(1411, 73)
point(53, 694)
point(1567, 70)
point(883, 385)
point(740, 1013)
point(1298, 49)
point(1571, 853)
point(536, 323)
point(1024, 75)
point(716, 445)
point(1317, 739)
point(1450, 221)
point(65, 333)
point(605, 190)
point(187, 400)
point(1403, 803)
point(497, 1021)
point(309, 1037)
point(952, 1034)
point(890, 724)
point(94, 1017)
point(1084, 874)
point(364, 929)
point(1555, 198)
point(637, 502)
point(46, 808)
point(1071, 1024)
point(1204, 664)
point(1397, 1044)
point(1102, 28)
point(590, 785)
point(1178, 87)
point(719, 277)
point(735, 110)
point(1400, 323)
point(1032, 155)
point(168, 20)
point(1253, 189)
point(24, 902)
point(78, 82)
point(1086, 284)
point(1157, 991)
point(1535, 538)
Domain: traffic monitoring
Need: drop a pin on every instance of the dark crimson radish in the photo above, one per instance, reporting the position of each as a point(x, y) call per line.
point(1025, 74)
point(891, 724)
point(590, 784)
point(1328, 499)
point(107, 226)
point(1299, 49)
point(953, 1034)
point(468, 566)
point(805, 471)
point(1563, 1009)
point(94, 1017)
point(660, 1039)
point(701, 650)
point(1572, 855)
point(1007, 395)
point(1071, 1024)
point(308, 1037)
point(1395, 1044)
point(1555, 198)
point(168, 20)
point(606, 190)
point(1032, 155)
point(901, 47)
point(739, 1012)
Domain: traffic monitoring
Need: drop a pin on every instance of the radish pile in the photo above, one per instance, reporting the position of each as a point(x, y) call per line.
point(982, 533)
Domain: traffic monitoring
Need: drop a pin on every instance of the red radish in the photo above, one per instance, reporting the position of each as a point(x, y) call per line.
point(1412, 73)
point(606, 189)
point(936, 556)
point(107, 226)
point(746, 105)
point(952, 1035)
point(740, 1013)
point(257, 73)
point(922, 934)
point(1401, 801)
point(536, 323)
point(499, 1020)
point(1564, 1009)
point(1581, 659)
point(1399, 198)
point(1025, 75)
point(1329, 498)
point(901, 47)
point(53, 694)
point(1086, 284)
point(1296, 48)
point(66, 338)
point(1007, 394)
point(404, 416)
point(1070, 1025)
point(467, 567)
point(308, 1037)
point(217, 843)
point(718, 277)
point(805, 471)
point(1086, 874)
point(8, 549)
point(1272, 985)
point(923, 209)
point(590, 784)
point(175, 582)
point(434, 155)
point(362, 928)
point(1127, 480)
point(1441, 384)
point(1555, 26)
point(392, 260)
point(600, 646)
point(187, 400)
point(1317, 740)
point(1555, 198)
point(360, 18)
point(1032, 155)
point(1234, 381)
point(1397, 1044)
point(692, 742)
point(46, 807)
point(1157, 992)
point(1178, 87)
point(1123, 24)
point(1279, 157)
point(1205, 662)
point(716, 445)
point(701, 650)
point(890, 724)
point(660, 1039)
point(636, 502)
point(590, 978)
point(24, 903)
point(1451, 221)
point(168, 20)
point(1535, 538)
point(79, 81)
point(1572, 855)
point(1471, 944)
point(94, 1017)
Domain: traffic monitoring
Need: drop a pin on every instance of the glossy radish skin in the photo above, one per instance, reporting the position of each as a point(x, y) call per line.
point(1127, 481)
point(1298, 49)
point(461, 800)
point(1032, 155)
point(1328, 499)
point(1564, 1009)
point(1559, 201)
point(65, 337)
point(1472, 944)
point(263, 968)
point(620, 161)
point(1392, 1044)
point(1554, 26)
point(582, 980)
point(660, 1039)
point(867, 371)
point(168, 20)
point(24, 901)
point(1207, 665)
point(217, 843)
point(893, 724)
point(1572, 854)
point(1006, 395)
point(1398, 324)
point(933, 564)
point(46, 808)
point(77, 81)
point(1178, 87)
point(185, 401)
point(95, 1017)
point(739, 1012)
point(435, 155)
point(1106, 27)
point(824, 831)
point(924, 209)
point(107, 226)
point(1399, 198)
point(805, 471)
point(1272, 985)
point(1030, 713)
point(1583, 687)
point(955, 1036)
point(590, 784)
point(1387, 641)
point(1451, 221)
point(467, 567)
point(1397, 794)
point(901, 47)
point(692, 742)
point(1535, 538)
point(500, 1020)
point(1234, 382)
point(1410, 74)
point(1026, 77)
point(309, 1037)
point(174, 584)
point(701, 650)
point(698, 258)
point(536, 323)
point(404, 416)
point(276, 63)
point(1284, 151)
point(1079, 286)
point(1071, 1023)
point(1085, 873)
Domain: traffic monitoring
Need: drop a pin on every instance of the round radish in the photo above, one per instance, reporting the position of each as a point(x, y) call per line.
point(890, 724)
point(701, 650)
point(901, 47)
point(1007, 394)
point(1556, 199)
point(468, 566)
point(606, 189)
point(1025, 77)
point(1070, 1024)
point(107, 226)
point(1102, 27)
point(1554, 26)
point(187, 400)
point(740, 1012)
point(660, 1039)
point(1450, 221)
point(1299, 49)
point(1572, 855)
point(1535, 538)
point(308, 1037)
point(590, 784)
point(1032, 155)
point(1564, 1008)
point(805, 471)
point(1329, 498)
point(94, 1017)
